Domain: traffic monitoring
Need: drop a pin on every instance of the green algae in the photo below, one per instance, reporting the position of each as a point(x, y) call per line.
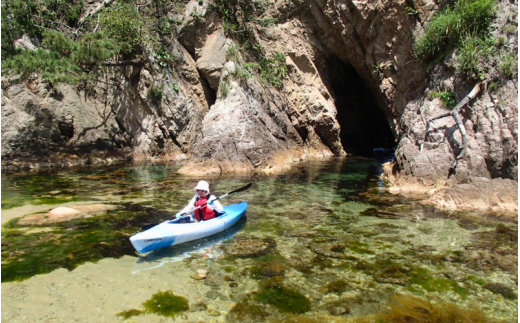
point(270, 226)
point(286, 300)
point(166, 304)
point(125, 315)
point(67, 245)
point(476, 280)
point(228, 269)
point(360, 248)
point(422, 277)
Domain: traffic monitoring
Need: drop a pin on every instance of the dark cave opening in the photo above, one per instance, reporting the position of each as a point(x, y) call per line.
point(363, 124)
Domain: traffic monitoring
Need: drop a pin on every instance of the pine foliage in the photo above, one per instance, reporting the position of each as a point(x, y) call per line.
point(70, 51)
point(62, 59)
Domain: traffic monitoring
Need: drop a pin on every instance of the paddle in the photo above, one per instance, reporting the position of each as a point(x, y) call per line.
point(148, 226)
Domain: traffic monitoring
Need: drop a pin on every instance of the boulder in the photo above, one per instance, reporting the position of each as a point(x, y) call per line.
point(213, 57)
point(64, 214)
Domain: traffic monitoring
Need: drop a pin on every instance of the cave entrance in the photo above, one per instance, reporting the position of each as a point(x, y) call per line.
point(363, 125)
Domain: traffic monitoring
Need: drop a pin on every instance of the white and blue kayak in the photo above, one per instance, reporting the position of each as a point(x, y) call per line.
point(173, 232)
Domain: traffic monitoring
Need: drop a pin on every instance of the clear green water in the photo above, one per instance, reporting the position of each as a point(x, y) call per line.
point(338, 244)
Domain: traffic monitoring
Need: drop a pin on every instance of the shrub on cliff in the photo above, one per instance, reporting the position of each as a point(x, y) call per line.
point(451, 27)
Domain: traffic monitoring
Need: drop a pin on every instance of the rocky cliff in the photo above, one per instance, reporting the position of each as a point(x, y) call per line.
point(350, 83)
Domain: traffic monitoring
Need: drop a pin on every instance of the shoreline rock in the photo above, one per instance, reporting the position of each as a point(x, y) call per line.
point(497, 197)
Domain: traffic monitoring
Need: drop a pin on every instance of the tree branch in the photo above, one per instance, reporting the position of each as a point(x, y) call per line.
point(98, 9)
point(455, 113)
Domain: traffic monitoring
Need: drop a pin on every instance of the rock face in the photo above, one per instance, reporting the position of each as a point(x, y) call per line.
point(492, 129)
point(351, 83)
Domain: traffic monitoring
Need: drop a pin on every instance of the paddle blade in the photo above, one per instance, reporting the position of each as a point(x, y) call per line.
point(242, 188)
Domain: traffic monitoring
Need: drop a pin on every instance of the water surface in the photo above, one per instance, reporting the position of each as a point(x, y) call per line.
point(335, 244)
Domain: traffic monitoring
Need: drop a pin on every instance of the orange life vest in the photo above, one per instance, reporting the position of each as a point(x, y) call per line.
point(204, 213)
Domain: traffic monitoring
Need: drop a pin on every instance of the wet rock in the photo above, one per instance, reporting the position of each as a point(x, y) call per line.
point(249, 247)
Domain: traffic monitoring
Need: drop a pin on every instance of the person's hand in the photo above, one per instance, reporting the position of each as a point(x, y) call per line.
point(178, 215)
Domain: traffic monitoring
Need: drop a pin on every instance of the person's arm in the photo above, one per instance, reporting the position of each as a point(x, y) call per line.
point(215, 204)
point(188, 207)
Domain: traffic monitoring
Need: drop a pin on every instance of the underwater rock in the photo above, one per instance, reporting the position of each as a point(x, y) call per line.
point(245, 312)
point(198, 276)
point(213, 294)
point(501, 289)
point(213, 312)
point(339, 310)
point(315, 295)
point(249, 247)
point(269, 269)
point(337, 286)
point(199, 306)
point(300, 233)
point(387, 271)
point(339, 307)
point(214, 279)
point(334, 249)
point(63, 214)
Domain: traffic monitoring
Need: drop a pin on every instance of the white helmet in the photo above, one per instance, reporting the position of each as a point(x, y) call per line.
point(202, 185)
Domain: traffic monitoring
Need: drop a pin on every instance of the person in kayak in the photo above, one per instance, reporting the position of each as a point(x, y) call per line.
point(210, 210)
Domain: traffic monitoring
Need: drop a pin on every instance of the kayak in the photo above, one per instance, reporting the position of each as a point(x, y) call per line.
point(173, 232)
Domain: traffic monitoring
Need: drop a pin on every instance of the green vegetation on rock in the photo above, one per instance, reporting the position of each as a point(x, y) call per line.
point(241, 17)
point(465, 19)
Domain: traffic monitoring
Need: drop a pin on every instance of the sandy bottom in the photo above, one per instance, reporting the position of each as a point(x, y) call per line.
point(96, 292)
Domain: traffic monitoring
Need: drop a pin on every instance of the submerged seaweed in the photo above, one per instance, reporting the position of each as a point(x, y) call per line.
point(166, 304)
point(286, 300)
